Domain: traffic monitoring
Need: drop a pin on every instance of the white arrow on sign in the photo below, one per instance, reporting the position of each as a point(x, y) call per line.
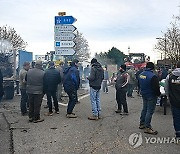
point(64, 36)
point(64, 44)
point(64, 28)
point(64, 52)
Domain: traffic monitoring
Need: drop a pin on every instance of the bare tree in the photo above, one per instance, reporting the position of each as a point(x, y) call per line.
point(81, 48)
point(10, 40)
point(169, 43)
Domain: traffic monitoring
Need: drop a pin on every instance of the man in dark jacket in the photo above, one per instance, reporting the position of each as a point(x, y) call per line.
point(95, 80)
point(121, 90)
point(1, 86)
point(71, 82)
point(172, 88)
point(149, 87)
point(51, 80)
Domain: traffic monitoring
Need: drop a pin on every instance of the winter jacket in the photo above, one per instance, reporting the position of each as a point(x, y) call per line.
point(172, 87)
point(122, 81)
point(35, 81)
point(96, 76)
point(149, 84)
point(51, 79)
point(71, 79)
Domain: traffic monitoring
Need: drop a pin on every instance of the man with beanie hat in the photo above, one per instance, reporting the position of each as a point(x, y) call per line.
point(121, 90)
point(172, 88)
point(149, 88)
point(95, 80)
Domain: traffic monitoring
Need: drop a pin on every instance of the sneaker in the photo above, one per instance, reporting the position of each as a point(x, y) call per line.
point(57, 112)
point(118, 111)
point(142, 126)
point(39, 120)
point(93, 117)
point(48, 114)
point(71, 115)
point(150, 131)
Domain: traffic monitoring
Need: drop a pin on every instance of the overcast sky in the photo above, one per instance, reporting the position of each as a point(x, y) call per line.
point(104, 23)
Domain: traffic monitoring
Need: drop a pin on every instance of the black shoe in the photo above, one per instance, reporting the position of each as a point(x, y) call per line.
point(118, 111)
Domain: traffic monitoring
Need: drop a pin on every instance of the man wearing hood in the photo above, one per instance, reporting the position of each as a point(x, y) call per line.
point(149, 88)
point(172, 88)
point(95, 80)
point(71, 84)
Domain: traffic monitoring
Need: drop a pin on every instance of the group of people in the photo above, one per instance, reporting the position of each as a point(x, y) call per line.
point(35, 82)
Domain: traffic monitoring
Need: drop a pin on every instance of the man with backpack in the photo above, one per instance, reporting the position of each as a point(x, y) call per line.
point(71, 84)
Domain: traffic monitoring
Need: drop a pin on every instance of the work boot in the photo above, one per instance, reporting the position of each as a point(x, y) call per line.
point(39, 120)
point(71, 115)
point(150, 131)
point(48, 114)
point(93, 117)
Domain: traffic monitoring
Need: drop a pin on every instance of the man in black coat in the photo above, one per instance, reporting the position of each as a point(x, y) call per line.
point(51, 80)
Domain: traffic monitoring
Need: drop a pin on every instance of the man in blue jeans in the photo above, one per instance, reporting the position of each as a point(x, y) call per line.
point(172, 88)
point(95, 80)
point(149, 87)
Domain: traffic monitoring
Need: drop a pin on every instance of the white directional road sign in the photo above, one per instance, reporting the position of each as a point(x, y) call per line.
point(64, 28)
point(64, 51)
point(64, 44)
point(64, 36)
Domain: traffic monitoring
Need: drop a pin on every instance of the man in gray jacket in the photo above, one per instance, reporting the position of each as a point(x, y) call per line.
point(95, 80)
point(35, 91)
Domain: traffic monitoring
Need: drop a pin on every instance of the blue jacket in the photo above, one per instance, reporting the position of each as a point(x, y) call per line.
point(149, 84)
point(71, 79)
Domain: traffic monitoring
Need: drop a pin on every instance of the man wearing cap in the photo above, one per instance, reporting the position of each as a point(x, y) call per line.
point(95, 80)
point(35, 91)
point(121, 90)
point(149, 88)
point(51, 80)
point(22, 83)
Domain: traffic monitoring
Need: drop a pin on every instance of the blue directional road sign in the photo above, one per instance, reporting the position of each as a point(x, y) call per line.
point(64, 20)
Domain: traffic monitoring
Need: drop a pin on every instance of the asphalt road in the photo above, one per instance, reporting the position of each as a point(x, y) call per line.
point(109, 135)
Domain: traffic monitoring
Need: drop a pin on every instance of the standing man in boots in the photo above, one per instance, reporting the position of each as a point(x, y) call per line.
point(71, 84)
point(150, 90)
point(95, 80)
point(51, 80)
point(24, 96)
point(121, 90)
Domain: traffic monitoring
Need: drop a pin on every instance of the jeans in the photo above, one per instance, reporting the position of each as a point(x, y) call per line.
point(24, 101)
point(95, 101)
point(176, 119)
point(130, 90)
point(105, 86)
point(149, 105)
point(35, 101)
point(52, 95)
point(121, 99)
point(72, 101)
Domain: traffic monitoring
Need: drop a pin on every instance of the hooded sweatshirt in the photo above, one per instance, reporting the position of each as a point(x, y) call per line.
point(96, 76)
point(172, 87)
